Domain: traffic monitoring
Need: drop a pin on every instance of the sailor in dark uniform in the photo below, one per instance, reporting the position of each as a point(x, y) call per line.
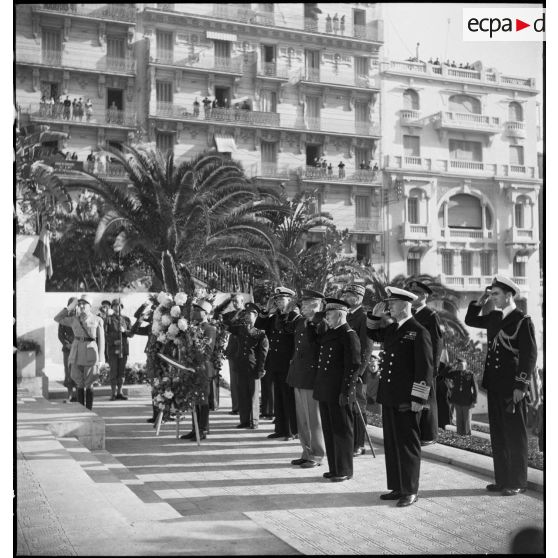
point(356, 318)
point(428, 318)
point(279, 328)
point(405, 382)
point(510, 363)
point(334, 388)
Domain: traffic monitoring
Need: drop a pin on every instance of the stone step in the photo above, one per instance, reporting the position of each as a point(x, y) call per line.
point(57, 391)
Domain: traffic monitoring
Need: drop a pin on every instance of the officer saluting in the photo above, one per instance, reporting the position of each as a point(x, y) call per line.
point(510, 362)
point(334, 388)
point(405, 381)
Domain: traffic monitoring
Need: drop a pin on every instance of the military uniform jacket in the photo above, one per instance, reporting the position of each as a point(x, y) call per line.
point(304, 364)
point(464, 391)
point(253, 348)
point(113, 337)
point(66, 337)
point(357, 322)
point(279, 329)
point(229, 319)
point(89, 338)
point(406, 367)
point(429, 319)
point(338, 363)
point(210, 332)
point(512, 349)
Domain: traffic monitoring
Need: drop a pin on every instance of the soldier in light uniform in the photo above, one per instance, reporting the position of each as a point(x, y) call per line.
point(356, 318)
point(334, 388)
point(428, 318)
point(510, 363)
point(405, 382)
point(88, 347)
point(301, 377)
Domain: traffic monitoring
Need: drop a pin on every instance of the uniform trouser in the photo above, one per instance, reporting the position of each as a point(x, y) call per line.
point(214, 393)
point(429, 417)
point(233, 377)
point(202, 414)
point(402, 449)
point(117, 365)
point(337, 426)
point(248, 400)
point(444, 414)
point(309, 425)
point(463, 419)
point(83, 376)
point(508, 436)
point(285, 408)
point(372, 385)
point(358, 426)
point(68, 382)
point(267, 395)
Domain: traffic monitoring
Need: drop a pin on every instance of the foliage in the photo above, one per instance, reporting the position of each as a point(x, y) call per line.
point(28, 345)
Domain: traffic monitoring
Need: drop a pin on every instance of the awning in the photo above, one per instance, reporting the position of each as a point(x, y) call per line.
point(221, 36)
point(225, 144)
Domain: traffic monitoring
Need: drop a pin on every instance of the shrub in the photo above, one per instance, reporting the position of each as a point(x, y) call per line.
point(26, 345)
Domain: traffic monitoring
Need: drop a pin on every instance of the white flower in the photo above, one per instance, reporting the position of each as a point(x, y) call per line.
point(165, 379)
point(168, 394)
point(159, 398)
point(158, 313)
point(180, 298)
point(156, 382)
point(162, 406)
point(166, 320)
point(162, 338)
point(156, 328)
point(175, 312)
point(182, 324)
point(176, 340)
point(173, 331)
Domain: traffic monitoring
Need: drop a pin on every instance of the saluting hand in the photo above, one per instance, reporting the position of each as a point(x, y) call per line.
point(73, 304)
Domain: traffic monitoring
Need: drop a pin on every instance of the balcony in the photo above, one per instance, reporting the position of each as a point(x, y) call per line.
point(367, 224)
point(479, 123)
point(57, 59)
point(415, 236)
point(244, 15)
point(315, 75)
point(108, 118)
point(338, 127)
point(371, 32)
point(111, 12)
point(515, 129)
point(214, 64)
point(466, 282)
point(270, 170)
point(320, 174)
point(525, 240)
point(272, 70)
point(410, 117)
point(408, 162)
point(472, 235)
point(448, 73)
point(232, 116)
point(108, 171)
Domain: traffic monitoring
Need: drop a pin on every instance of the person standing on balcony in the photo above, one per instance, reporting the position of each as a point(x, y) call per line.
point(50, 107)
point(42, 106)
point(328, 24)
point(74, 109)
point(324, 166)
point(510, 362)
point(330, 170)
point(88, 110)
point(113, 113)
point(67, 107)
point(80, 109)
point(206, 107)
point(196, 107)
point(428, 318)
point(341, 167)
point(342, 25)
point(335, 24)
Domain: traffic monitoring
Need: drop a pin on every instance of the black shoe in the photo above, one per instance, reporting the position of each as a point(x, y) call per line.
point(427, 443)
point(233, 412)
point(298, 461)
point(340, 478)
point(328, 475)
point(494, 488)
point(359, 451)
point(113, 398)
point(243, 425)
point(407, 500)
point(151, 420)
point(512, 491)
point(275, 435)
point(393, 495)
point(189, 436)
point(121, 397)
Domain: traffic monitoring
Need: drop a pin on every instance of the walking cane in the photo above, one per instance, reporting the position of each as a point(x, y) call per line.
point(366, 431)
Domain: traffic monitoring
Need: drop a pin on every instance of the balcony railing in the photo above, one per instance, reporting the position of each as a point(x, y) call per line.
point(467, 121)
point(58, 59)
point(367, 224)
point(112, 12)
point(243, 15)
point(515, 129)
point(271, 69)
point(56, 113)
point(270, 170)
point(466, 282)
point(457, 74)
point(337, 175)
point(218, 64)
point(521, 236)
point(468, 234)
point(410, 117)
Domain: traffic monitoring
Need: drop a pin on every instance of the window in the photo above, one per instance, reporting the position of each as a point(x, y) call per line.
point(163, 91)
point(522, 212)
point(362, 66)
point(51, 47)
point(313, 112)
point(165, 44)
point(165, 142)
point(465, 211)
point(49, 89)
point(487, 263)
point(362, 114)
point(519, 216)
point(411, 146)
point(413, 264)
point(362, 155)
point(313, 153)
point(268, 52)
point(362, 207)
point(411, 100)
point(268, 101)
point(466, 263)
point(116, 48)
point(315, 204)
point(516, 155)
point(519, 265)
point(413, 210)
point(269, 152)
point(464, 103)
point(362, 252)
point(222, 51)
point(515, 112)
point(461, 150)
point(359, 17)
point(447, 262)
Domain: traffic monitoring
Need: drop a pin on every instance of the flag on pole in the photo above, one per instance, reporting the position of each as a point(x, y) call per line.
point(42, 251)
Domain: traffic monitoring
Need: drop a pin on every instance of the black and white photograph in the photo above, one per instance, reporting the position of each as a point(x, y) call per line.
point(279, 279)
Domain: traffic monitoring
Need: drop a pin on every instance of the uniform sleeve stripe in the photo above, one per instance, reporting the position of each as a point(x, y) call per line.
point(523, 380)
point(420, 390)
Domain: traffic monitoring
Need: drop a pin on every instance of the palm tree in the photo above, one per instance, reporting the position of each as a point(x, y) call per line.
point(180, 216)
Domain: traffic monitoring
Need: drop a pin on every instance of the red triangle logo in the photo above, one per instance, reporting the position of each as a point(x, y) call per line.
point(519, 25)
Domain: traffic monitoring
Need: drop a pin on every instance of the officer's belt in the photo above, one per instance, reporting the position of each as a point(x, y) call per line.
point(84, 338)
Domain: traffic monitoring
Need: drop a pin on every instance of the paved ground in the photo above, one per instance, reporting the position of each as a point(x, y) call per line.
point(238, 494)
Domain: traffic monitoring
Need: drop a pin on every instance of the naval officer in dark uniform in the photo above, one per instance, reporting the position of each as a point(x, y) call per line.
point(510, 363)
point(428, 318)
point(279, 328)
point(405, 382)
point(334, 388)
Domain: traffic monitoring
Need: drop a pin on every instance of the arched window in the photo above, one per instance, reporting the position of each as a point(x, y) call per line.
point(523, 213)
point(515, 112)
point(464, 211)
point(464, 103)
point(415, 212)
point(411, 100)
